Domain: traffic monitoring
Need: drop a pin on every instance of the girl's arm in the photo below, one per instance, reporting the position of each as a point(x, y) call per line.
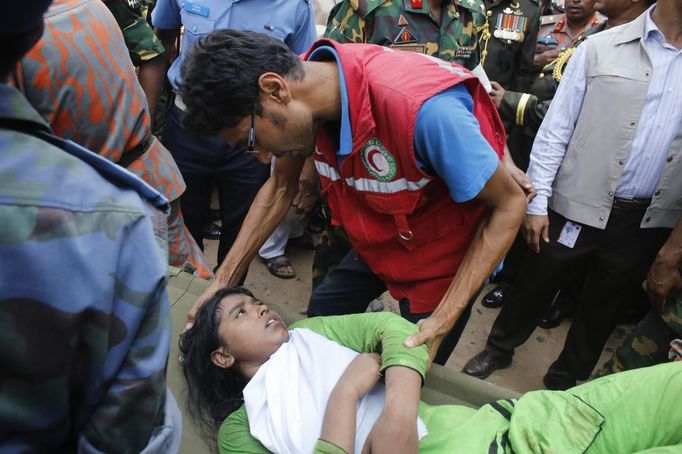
point(338, 427)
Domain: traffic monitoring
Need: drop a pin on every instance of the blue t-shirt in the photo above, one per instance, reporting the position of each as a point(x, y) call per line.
point(447, 139)
point(290, 21)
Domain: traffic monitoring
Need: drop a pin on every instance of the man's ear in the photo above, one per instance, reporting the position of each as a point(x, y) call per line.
point(222, 359)
point(274, 87)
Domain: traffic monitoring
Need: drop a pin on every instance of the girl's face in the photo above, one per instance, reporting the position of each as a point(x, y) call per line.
point(250, 333)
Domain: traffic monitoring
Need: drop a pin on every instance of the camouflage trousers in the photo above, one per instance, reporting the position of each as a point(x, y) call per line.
point(649, 344)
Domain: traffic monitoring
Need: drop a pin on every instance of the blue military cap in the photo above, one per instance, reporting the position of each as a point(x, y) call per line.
point(18, 16)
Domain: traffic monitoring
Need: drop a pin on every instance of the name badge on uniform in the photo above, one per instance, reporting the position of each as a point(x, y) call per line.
point(464, 52)
point(510, 26)
point(569, 234)
point(195, 8)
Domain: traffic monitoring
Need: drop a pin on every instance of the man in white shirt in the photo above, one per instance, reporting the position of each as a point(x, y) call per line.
point(606, 164)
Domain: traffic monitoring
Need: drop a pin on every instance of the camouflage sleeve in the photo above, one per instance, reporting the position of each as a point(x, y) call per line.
point(133, 406)
point(523, 109)
point(95, 305)
point(344, 24)
point(140, 39)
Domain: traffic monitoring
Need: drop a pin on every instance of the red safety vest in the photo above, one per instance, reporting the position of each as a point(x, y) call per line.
point(401, 221)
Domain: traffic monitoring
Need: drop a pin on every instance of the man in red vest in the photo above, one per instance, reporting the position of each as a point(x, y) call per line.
point(407, 148)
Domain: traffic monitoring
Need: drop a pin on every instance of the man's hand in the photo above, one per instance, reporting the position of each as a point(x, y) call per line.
point(664, 274)
point(661, 279)
point(542, 59)
point(308, 189)
point(211, 290)
point(432, 330)
point(305, 200)
point(523, 180)
point(497, 93)
point(534, 228)
point(519, 176)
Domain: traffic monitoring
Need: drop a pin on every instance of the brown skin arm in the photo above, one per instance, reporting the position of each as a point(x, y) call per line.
point(395, 431)
point(506, 205)
point(169, 39)
point(519, 176)
point(665, 273)
point(266, 212)
point(151, 78)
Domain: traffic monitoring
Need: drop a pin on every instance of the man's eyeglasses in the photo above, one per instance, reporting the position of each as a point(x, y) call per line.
point(251, 141)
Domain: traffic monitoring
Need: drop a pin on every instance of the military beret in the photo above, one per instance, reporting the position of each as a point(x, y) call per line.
point(22, 16)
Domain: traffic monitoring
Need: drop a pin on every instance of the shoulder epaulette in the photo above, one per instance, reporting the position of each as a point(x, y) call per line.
point(551, 19)
point(365, 7)
point(472, 5)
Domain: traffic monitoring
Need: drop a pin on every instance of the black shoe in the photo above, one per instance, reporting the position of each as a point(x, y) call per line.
point(494, 298)
point(211, 231)
point(557, 384)
point(554, 316)
point(485, 363)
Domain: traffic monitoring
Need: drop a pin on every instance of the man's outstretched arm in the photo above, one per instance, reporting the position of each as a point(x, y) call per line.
point(266, 212)
point(506, 206)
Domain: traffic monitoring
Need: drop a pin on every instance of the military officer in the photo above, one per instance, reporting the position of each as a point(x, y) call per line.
point(445, 29)
point(508, 42)
point(146, 50)
point(557, 31)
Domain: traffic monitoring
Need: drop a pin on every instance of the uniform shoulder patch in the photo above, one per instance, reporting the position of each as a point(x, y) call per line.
point(365, 7)
point(476, 6)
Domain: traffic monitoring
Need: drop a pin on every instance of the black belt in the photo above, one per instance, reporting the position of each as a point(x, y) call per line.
point(131, 155)
point(630, 204)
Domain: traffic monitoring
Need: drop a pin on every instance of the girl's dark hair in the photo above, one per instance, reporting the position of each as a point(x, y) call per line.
point(213, 392)
point(220, 77)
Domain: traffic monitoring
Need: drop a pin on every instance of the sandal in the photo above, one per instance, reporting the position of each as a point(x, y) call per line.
point(278, 265)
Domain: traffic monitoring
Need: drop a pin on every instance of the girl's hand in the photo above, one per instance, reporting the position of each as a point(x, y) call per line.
point(361, 374)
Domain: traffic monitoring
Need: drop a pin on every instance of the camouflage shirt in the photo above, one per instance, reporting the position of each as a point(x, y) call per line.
point(410, 25)
point(131, 16)
point(84, 315)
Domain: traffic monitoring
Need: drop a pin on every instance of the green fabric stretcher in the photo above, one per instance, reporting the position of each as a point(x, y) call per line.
point(442, 386)
point(633, 411)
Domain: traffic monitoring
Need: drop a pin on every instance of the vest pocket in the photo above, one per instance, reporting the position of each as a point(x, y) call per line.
point(410, 229)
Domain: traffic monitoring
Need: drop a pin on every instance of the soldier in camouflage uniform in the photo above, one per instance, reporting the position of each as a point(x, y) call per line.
point(84, 312)
point(115, 125)
point(412, 25)
point(146, 51)
point(649, 344)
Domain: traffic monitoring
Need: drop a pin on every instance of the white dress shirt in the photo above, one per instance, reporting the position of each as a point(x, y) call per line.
point(660, 120)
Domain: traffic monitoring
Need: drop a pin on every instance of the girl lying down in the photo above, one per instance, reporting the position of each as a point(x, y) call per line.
point(263, 387)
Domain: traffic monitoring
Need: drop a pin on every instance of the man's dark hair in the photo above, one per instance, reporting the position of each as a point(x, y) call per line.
point(212, 392)
point(14, 47)
point(220, 77)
